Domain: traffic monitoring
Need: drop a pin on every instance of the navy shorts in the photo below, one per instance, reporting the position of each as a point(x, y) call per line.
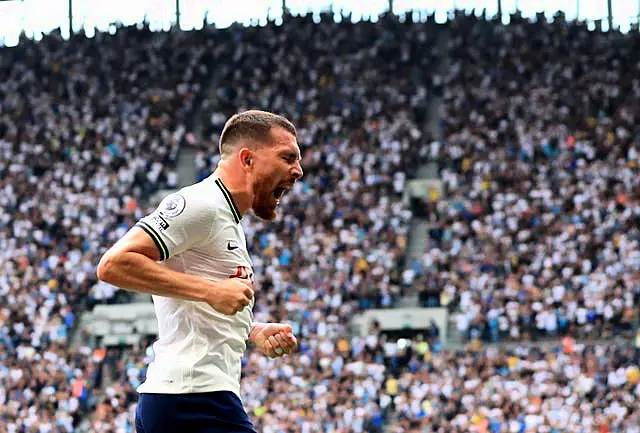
point(208, 412)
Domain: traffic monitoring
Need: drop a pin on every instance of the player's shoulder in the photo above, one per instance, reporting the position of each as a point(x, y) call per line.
point(187, 200)
point(208, 196)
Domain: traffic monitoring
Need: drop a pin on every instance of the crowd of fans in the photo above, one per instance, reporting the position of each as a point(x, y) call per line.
point(566, 388)
point(538, 230)
point(89, 127)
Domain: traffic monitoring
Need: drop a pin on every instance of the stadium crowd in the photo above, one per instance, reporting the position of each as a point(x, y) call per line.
point(82, 146)
point(566, 388)
point(88, 127)
point(538, 232)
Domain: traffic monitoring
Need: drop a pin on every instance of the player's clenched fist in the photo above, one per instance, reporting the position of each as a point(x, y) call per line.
point(232, 295)
point(274, 339)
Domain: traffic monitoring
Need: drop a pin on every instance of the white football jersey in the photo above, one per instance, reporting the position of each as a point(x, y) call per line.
point(198, 232)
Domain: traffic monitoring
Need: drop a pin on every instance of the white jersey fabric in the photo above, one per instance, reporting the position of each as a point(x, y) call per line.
point(198, 232)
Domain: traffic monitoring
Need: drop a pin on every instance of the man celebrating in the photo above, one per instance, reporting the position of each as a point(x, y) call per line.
point(202, 291)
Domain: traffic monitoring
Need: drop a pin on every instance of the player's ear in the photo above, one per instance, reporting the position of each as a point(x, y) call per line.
point(246, 158)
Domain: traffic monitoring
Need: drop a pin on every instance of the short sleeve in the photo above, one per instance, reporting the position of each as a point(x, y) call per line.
point(178, 224)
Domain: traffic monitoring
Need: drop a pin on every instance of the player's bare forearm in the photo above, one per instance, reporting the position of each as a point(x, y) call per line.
point(136, 272)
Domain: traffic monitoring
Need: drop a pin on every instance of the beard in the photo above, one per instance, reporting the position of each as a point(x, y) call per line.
point(264, 203)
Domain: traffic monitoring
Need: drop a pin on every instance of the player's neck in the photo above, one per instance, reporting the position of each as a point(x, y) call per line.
point(237, 186)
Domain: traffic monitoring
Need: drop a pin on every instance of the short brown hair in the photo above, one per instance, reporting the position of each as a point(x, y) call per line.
point(254, 125)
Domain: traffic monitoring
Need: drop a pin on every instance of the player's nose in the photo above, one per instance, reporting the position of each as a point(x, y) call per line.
point(296, 171)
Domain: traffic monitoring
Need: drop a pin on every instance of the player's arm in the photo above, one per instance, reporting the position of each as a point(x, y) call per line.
point(173, 228)
point(131, 264)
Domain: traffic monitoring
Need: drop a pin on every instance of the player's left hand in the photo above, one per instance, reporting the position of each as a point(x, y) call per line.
point(274, 339)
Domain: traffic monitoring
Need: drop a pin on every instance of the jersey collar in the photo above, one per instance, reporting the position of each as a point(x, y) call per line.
point(232, 204)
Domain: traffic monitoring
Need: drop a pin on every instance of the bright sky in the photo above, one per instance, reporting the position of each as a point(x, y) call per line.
point(36, 16)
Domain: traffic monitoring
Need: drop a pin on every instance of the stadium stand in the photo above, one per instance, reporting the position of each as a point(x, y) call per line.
point(570, 388)
point(89, 128)
point(538, 231)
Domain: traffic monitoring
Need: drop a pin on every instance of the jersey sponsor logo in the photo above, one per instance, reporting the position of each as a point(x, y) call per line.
point(173, 206)
point(231, 247)
point(160, 222)
point(242, 272)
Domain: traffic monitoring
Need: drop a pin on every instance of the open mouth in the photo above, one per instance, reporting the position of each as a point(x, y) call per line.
point(280, 191)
